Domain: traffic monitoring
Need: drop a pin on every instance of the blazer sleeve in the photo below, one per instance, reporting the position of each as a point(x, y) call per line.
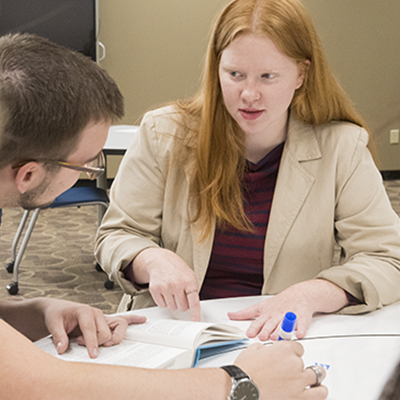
point(368, 233)
point(132, 222)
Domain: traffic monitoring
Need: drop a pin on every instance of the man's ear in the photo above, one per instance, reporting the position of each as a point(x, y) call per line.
point(29, 176)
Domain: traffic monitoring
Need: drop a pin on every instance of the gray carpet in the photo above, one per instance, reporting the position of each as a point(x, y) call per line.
point(59, 260)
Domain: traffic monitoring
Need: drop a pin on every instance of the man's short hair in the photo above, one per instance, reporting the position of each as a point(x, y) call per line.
point(48, 95)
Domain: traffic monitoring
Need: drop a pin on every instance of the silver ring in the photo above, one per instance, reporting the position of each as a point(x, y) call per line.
point(191, 291)
point(318, 373)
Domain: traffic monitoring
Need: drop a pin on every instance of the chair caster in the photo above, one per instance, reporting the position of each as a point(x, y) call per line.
point(109, 284)
point(10, 267)
point(98, 268)
point(12, 288)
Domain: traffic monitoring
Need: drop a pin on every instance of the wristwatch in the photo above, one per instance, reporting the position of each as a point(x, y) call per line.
point(243, 388)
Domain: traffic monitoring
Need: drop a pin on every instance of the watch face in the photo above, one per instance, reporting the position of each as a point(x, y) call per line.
point(245, 390)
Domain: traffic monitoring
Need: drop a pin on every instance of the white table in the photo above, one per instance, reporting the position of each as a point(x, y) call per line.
point(358, 351)
point(120, 138)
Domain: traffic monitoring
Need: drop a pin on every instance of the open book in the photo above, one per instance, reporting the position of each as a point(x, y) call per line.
point(167, 344)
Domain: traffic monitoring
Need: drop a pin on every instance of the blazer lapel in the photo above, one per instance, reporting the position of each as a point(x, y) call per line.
point(201, 249)
point(292, 188)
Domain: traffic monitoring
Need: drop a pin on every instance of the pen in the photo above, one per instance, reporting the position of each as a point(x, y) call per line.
point(287, 327)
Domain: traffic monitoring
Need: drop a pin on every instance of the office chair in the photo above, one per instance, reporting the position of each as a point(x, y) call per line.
point(75, 196)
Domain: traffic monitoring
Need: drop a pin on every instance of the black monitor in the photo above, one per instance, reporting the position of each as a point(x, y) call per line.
point(71, 23)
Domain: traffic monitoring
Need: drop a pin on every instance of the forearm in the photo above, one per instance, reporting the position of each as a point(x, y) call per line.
point(140, 265)
point(322, 295)
point(312, 296)
point(26, 316)
point(100, 382)
point(55, 379)
point(148, 262)
point(374, 281)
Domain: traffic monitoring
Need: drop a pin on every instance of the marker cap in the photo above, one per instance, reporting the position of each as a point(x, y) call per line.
point(287, 327)
point(289, 322)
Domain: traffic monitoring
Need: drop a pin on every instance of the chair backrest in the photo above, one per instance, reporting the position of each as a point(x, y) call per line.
point(77, 196)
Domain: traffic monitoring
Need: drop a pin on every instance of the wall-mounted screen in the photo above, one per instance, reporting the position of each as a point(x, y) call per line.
point(71, 23)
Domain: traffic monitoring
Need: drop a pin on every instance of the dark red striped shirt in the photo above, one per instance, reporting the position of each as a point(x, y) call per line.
point(237, 258)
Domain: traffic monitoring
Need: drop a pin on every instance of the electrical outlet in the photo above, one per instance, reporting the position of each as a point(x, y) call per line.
point(394, 136)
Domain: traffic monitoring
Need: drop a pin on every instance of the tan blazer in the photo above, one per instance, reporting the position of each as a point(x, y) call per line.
point(328, 193)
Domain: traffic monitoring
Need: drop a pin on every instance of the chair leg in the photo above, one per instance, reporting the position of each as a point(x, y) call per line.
point(13, 287)
point(108, 284)
point(10, 265)
point(100, 213)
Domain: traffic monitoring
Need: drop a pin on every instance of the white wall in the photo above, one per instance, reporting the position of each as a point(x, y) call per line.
point(156, 48)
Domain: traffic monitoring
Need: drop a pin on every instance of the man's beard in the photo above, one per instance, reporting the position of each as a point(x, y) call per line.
point(28, 200)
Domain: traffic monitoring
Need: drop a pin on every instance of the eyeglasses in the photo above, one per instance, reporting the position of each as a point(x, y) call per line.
point(93, 168)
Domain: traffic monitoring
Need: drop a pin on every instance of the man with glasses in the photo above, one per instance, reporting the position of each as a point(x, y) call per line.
point(56, 108)
point(55, 111)
point(93, 168)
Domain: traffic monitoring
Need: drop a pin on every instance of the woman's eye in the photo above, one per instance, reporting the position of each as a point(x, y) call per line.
point(235, 74)
point(268, 76)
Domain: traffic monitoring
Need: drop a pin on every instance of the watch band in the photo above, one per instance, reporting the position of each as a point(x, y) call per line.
point(235, 372)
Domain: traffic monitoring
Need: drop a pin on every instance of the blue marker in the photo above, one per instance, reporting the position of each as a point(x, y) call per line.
point(287, 326)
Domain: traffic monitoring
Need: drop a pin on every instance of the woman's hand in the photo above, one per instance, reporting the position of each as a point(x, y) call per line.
point(171, 282)
point(304, 299)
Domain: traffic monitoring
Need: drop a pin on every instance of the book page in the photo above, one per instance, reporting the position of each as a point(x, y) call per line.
point(183, 334)
point(127, 353)
point(153, 344)
point(221, 332)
